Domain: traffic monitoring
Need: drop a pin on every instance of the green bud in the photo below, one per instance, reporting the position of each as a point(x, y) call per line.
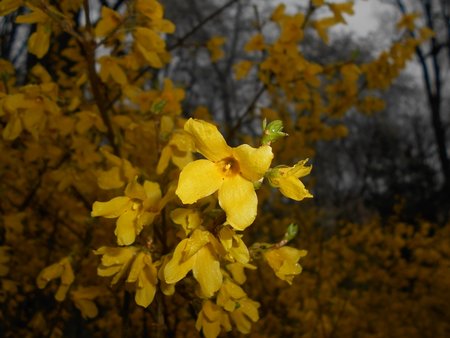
point(272, 131)
point(291, 232)
point(158, 106)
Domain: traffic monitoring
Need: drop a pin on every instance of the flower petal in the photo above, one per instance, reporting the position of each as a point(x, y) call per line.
point(238, 198)
point(177, 268)
point(253, 162)
point(293, 188)
point(208, 140)
point(125, 228)
point(111, 209)
point(198, 179)
point(207, 272)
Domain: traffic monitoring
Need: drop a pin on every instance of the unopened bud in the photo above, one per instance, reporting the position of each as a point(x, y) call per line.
point(272, 131)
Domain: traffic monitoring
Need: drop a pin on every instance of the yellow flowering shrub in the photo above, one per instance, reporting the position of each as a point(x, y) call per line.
point(111, 191)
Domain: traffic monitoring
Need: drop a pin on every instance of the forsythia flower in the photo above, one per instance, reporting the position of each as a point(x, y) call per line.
point(199, 254)
point(211, 318)
point(214, 46)
point(231, 171)
point(234, 245)
point(137, 208)
point(143, 272)
point(287, 179)
point(83, 300)
point(62, 270)
point(284, 261)
point(115, 261)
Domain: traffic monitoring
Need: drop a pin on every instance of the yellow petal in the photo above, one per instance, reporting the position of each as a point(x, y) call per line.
point(198, 179)
point(87, 308)
point(292, 187)
point(177, 268)
point(208, 140)
point(238, 198)
point(111, 209)
point(110, 179)
point(39, 41)
point(125, 228)
point(253, 162)
point(207, 272)
point(136, 268)
point(152, 193)
point(13, 128)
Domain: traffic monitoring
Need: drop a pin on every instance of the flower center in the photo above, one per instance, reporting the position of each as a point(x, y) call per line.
point(229, 166)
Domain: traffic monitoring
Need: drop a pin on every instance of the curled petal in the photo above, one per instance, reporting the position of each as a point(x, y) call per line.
point(293, 188)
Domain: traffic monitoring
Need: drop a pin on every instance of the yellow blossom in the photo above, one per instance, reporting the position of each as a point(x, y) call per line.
point(246, 312)
point(62, 270)
point(199, 254)
point(287, 179)
point(83, 300)
point(284, 262)
point(256, 43)
point(322, 26)
point(144, 274)
point(231, 171)
point(39, 41)
point(234, 245)
point(9, 6)
point(339, 8)
point(108, 22)
point(214, 46)
point(242, 68)
point(211, 318)
point(111, 69)
point(115, 261)
point(138, 208)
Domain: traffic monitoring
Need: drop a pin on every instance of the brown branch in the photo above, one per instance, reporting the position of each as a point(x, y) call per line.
point(181, 40)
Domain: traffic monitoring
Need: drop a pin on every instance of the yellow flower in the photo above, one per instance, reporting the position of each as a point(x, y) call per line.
point(234, 245)
point(214, 46)
point(189, 219)
point(83, 300)
point(256, 43)
point(108, 22)
point(284, 262)
point(62, 270)
point(178, 149)
point(338, 9)
point(246, 312)
point(39, 41)
point(143, 272)
point(242, 68)
point(211, 318)
point(199, 254)
point(287, 179)
point(111, 69)
point(229, 295)
point(9, 6)
point(115, 261)
point(139, 207)
point(231, 171)
point(322, 26)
